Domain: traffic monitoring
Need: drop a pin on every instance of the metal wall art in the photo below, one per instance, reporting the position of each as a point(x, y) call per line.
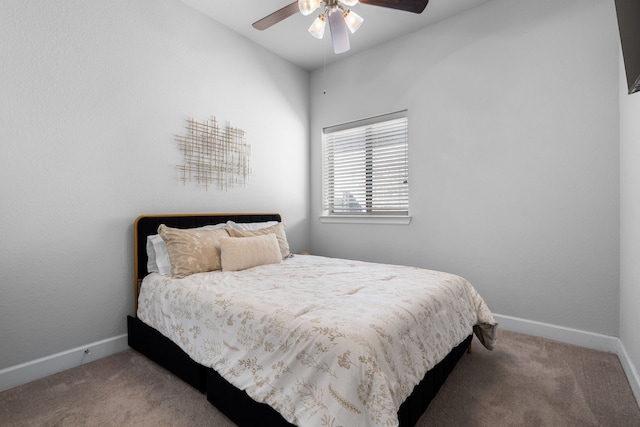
point(214, 155)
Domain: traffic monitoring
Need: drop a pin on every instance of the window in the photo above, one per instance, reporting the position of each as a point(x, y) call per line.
point(366, 168)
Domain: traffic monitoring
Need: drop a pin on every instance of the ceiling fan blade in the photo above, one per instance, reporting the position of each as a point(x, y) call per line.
point(277, 16)
point(415, 6)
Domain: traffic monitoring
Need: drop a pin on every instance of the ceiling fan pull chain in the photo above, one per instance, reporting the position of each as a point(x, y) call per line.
point(324, 68)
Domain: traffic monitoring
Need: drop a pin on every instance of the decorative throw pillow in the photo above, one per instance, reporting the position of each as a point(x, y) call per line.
point(192, 250)
point(157, 256)
point(246, 252)
point(277, 229)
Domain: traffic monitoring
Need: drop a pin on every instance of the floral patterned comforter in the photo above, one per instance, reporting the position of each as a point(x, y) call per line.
point(326, 342)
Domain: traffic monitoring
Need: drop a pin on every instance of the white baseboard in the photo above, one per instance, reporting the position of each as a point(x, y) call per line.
point(576, 337)
point(559, 333)
point(631, 371)
point(49, 365)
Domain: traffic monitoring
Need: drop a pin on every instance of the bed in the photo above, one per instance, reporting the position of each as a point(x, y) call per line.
point(282, 340)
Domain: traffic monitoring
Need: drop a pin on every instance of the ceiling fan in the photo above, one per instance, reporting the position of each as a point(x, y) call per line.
point(341, 19)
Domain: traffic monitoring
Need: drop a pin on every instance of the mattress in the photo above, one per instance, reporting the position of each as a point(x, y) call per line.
point(323, 341)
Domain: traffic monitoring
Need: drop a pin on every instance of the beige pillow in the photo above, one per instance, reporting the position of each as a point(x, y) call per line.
point(246, 252)
point(192, 250)
point(277, 229)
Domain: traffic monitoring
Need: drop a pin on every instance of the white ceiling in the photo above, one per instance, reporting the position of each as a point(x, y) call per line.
point(290, 39)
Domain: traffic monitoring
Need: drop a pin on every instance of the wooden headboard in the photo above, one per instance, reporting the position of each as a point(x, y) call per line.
point(146, 225)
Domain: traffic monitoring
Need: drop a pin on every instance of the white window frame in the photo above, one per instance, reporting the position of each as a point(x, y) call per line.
point(366, 198)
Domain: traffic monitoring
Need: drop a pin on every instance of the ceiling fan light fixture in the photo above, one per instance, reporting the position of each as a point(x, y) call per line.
point(349, 2)
point(317, 28)
point(308, 6)
point(353, 20)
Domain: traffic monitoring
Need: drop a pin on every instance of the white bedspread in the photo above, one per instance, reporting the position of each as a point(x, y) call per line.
point(326, 342)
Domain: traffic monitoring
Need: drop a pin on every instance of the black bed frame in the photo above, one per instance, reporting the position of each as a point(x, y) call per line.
point(232, 402)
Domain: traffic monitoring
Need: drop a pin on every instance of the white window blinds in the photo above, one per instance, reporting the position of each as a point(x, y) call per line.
point(366, 167)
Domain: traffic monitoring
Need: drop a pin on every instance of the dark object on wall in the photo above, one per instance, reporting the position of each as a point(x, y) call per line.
point(629, 25)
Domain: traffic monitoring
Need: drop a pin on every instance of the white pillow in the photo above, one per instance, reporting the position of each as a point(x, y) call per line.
point(214, 226)
point(240, 253)
point(250, 225)
point(158, 256)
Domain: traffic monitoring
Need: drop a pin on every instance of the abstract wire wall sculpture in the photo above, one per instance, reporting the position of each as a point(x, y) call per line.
point(214, 155)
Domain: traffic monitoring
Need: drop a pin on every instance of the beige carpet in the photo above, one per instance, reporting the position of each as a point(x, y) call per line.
point(525, 381)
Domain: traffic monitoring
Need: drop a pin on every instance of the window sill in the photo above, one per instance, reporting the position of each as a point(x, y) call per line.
point(366, 219)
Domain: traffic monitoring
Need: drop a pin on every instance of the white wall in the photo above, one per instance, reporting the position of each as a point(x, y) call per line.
point(91, 96)
point(630, 224)
point(514, 156)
